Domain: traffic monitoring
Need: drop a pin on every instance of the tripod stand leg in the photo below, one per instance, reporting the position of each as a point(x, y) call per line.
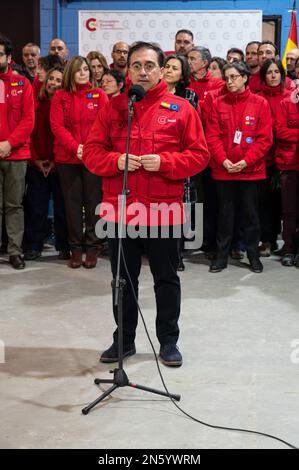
point(87, 409)
point(157, 392)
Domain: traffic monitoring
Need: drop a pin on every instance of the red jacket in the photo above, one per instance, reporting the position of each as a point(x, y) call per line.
point(16, 114)
point(175, 134)
point(274, 96)
point(72, 116)
point(208, 103)
point(203, 85)
point(36, 87)
point(256, 85)
point(287, 134)
point(42, 139)
point(252, 116)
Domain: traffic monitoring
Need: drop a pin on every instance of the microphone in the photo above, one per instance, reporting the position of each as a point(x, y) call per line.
point(136, 93)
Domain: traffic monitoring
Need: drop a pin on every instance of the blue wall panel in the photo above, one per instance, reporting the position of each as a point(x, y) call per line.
point(60, 19)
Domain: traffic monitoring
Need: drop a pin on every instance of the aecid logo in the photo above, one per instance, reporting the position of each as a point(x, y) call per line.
point(91, 24)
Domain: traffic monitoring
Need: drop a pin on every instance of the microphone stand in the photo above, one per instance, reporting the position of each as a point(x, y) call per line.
point(120, 378)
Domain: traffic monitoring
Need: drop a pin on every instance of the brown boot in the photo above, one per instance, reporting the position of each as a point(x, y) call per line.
point(76, 260)
point(90, 260)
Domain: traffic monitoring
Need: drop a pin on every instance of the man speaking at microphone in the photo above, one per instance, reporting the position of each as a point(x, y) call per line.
point(167, 145)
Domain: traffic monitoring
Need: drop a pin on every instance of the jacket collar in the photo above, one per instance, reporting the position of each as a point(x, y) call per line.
point(272, 90)
point(81, 89)
point(151, 96)
point(6, 77)
point(235, 98)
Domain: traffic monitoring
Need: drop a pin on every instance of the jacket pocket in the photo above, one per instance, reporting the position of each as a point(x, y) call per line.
point(163, 142)
point(161, 188)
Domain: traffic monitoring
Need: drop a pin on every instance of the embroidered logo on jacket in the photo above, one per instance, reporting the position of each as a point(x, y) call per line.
point(21, 83)
point(172, 106)
point(250, 120)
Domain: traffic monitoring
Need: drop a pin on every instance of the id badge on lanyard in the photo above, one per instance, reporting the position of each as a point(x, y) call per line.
point(237, 136)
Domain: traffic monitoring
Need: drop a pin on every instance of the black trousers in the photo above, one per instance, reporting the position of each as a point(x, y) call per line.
point(163, 256)
point(80, 188)
point(231, 195)
point(36, 203)
point(270, 206)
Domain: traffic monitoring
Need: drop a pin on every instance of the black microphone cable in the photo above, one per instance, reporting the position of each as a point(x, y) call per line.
point(213, 426)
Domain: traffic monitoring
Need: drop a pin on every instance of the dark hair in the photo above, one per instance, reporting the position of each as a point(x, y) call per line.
point(221, 62)
point(50, 61)
point(136, 46)
point(8, 47)
point(236, 51)
point(185, 79)
point(119, 77)
point(241, 67)
point(184, 31)
point(271, 44)
point(266, 65)
point(252, 42)
point(204, 52)
point(43, 91)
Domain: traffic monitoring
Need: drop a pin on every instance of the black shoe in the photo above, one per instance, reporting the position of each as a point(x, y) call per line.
point(296, 261)
point(217, 266)
point(170, 355)
point(181, 266)
point(236, 253)
point(256, 265)
point(111, 354)
point(64, 254)
point(31, 255)
point(17, 262)
point(288, 259)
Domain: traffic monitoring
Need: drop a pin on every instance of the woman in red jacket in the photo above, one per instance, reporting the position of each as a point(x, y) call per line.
point(42, 180)
point(73, 112)
point(287, 161)
point(239, 134)
point(273, 89)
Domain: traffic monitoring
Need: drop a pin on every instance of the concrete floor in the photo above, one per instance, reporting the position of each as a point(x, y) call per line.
point(237, 329)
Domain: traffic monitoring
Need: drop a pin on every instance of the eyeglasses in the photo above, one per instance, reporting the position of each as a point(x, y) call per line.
point(119, 51)
point(107, 82)
point(148, 67)
point(233, 78)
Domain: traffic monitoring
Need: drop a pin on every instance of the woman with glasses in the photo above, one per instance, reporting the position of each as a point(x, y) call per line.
point(73, 111)
point(113, 83)
point(98, 64)
point(239, 134)
point(273, 89)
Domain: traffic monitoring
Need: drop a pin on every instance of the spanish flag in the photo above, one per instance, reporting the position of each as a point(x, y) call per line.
point(292, 41)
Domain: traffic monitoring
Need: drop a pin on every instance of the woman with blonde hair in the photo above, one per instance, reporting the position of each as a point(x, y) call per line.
point(74, 109)
point(98, 64)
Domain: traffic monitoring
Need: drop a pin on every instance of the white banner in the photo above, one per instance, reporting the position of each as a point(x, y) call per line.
point(217, 30)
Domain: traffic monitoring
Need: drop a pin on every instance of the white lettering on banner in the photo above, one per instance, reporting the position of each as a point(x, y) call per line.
point(107, 27)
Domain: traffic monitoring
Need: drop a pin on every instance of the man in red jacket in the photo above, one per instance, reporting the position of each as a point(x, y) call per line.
point(202, 81)
point(167, 145)
point(16, 124)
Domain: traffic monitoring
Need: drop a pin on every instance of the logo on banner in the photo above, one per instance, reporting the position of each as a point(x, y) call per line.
point(91, 24)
